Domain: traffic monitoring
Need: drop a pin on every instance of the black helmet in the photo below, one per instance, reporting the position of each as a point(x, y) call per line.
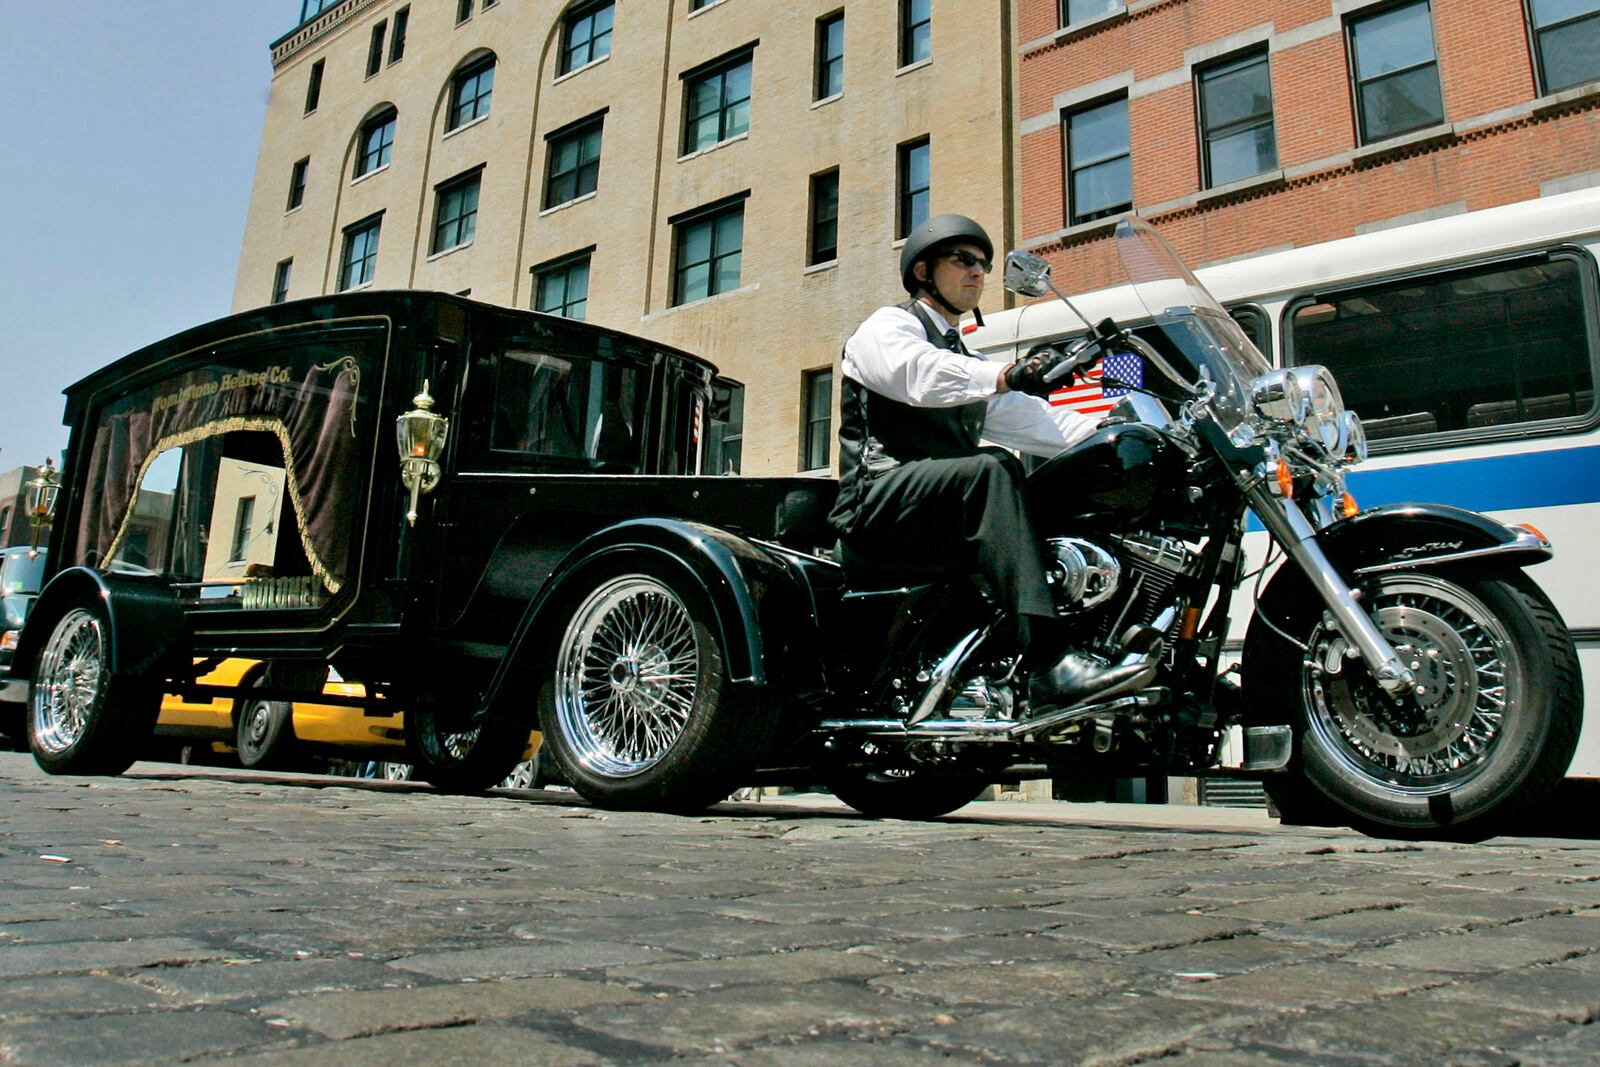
point(939, 230)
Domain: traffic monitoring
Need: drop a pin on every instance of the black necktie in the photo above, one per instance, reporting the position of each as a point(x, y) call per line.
point(952, 341)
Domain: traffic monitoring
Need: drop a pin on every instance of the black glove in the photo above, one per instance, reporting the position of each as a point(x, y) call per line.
point(1027, 375)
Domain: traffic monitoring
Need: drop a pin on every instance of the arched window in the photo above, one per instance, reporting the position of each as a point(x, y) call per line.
point(470, 91)
point(376, 142)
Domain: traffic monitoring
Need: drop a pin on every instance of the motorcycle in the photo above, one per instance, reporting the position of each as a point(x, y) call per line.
point(1400, 672)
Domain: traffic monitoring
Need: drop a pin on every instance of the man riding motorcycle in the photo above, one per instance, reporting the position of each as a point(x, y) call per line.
point(917, 487)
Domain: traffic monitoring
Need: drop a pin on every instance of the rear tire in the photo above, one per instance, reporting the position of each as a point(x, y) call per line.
point(639, 712)
point(906, 794)
point(1485, 742)
point(83, 719)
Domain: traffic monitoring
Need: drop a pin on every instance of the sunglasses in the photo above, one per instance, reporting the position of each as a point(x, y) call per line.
point(967, 260)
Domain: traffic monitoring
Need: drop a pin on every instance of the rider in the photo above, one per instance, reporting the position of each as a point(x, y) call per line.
point(916, 486)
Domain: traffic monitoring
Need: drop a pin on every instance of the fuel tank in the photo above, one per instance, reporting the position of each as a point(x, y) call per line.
point(1123, 473)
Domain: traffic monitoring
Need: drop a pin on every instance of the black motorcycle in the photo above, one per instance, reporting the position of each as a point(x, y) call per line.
point(1400, 672)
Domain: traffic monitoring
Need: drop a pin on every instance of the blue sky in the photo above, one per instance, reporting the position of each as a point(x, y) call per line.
point(129, 148)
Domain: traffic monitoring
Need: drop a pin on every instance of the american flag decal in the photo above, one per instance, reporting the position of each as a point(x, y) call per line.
point(1089, 398)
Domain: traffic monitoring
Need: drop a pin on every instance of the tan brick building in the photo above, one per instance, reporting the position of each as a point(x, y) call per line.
point(1239, 127)
point(664, 167)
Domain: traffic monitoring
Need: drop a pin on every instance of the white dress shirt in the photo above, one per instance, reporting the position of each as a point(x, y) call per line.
point(891, 355)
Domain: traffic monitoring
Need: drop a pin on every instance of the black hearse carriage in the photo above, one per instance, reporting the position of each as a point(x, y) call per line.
point(237, 491)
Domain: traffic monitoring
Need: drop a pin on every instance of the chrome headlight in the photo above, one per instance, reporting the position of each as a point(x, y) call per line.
point(1279, 395)
point(1324, 415)
point(1353, 437)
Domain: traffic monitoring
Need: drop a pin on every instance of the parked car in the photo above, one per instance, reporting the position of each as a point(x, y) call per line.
point(279, 734)
point(20, 572)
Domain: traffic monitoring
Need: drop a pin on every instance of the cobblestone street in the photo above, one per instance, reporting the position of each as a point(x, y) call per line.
point(173, 915)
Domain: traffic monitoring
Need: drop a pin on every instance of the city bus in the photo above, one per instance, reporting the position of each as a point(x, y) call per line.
point(1468, 345)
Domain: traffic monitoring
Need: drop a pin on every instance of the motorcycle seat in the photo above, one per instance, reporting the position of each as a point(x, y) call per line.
point(870, 573)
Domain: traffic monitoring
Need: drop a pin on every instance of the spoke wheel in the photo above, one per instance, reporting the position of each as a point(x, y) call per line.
point(627, 676)
point(1480, 742)
point(82, 719)
point(638, 711)
point(1470, 679)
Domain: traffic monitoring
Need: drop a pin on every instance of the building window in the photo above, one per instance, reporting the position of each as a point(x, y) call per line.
point(725, 434)
point(360, 257)
point(830, 55)
point(377, 142)
point(1099, 166)
point(696, 5)
point(912, 183)
point(470, 92)
point(1566, 42)
point(1235, 105)
point(586, 35)
point(455, 217)
point(1397, 75)
point(563, 288)
point(916, 31)
point(708, 251)
point(314, 87)
point(280, 281)
point(572, 166)
point(375, 48)
point(463, 11)
point(297, 184)
point(244, 515)
point(397, 43)
point(716, 103)
point(1076, 11)
point(816, 429)
point(823, 242)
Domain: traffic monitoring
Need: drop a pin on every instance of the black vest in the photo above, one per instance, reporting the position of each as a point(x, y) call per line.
point(877, 434)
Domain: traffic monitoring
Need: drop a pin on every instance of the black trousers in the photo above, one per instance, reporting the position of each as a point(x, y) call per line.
point(967, 512)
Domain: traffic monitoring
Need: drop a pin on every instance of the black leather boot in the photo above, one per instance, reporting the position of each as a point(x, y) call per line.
point(1078, 678)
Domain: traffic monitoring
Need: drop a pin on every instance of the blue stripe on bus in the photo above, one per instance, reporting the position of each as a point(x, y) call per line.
point(1493, 483)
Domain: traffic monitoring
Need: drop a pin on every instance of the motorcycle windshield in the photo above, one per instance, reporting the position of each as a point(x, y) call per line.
point(1189, 317)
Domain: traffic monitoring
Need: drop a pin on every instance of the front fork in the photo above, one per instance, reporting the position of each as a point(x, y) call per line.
point(1294, 532)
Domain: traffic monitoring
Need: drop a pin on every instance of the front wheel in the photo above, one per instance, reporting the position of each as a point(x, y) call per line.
point(905, 794)
point(1484, 737)
point(82, 719)
point(639, 712)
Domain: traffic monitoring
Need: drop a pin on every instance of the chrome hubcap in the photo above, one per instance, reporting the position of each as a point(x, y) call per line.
point(626, 676)
point(69, 680)
point(1444, 731)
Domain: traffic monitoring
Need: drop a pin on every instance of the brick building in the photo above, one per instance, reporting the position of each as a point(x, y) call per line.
point(1239, 127)
point(727, 176)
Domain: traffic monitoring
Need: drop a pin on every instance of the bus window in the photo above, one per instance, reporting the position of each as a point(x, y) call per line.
point(1255, 324)
point(1466, 353)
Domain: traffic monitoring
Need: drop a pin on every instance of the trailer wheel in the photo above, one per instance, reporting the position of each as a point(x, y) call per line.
point(82, 718)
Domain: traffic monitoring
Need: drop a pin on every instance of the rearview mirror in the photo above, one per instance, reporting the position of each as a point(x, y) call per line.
point(1027, 273)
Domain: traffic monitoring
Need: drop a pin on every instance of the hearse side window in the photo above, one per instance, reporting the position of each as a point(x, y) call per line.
point(172, 462)
point(1474, 354)
point(568, 407)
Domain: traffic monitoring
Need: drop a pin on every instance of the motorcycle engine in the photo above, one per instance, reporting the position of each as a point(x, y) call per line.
point(1083, 575)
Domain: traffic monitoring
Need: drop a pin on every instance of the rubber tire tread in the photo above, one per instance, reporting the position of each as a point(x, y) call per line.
point(918, 798)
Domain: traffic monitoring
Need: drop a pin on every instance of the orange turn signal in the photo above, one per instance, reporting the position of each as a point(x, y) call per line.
point(1348, 506)
point(1285, 480)
point(1531, 528)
